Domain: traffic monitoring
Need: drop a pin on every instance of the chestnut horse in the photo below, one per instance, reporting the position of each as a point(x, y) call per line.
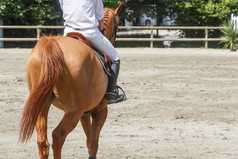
point(65, 72)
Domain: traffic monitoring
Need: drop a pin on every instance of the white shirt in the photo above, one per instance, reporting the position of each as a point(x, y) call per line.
point(82, 14)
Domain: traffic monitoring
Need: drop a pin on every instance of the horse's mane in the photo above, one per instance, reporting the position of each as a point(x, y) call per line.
point(110, 24)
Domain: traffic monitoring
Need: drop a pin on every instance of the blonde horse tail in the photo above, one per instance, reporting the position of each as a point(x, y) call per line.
point(52, 62)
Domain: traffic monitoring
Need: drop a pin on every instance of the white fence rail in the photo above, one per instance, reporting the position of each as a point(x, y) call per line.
point(152, 39)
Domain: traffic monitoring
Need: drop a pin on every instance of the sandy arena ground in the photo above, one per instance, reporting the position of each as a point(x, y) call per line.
point(182, 104)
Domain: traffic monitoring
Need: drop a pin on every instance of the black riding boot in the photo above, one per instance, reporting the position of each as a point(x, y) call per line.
point(112, 94)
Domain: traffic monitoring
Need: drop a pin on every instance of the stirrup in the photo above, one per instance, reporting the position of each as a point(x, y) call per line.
point(115, 97)
point(123, 92)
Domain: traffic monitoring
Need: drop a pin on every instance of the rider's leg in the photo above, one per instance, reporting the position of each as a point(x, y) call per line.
point(112, 93)
point(100, 42)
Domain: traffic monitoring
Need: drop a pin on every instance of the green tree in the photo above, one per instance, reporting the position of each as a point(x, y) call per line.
point(203, 13)
point(190, 12)
point(36, 12)
point(111, 3)
point(25, 12)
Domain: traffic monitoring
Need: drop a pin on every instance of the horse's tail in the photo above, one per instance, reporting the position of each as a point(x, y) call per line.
point(51, 57)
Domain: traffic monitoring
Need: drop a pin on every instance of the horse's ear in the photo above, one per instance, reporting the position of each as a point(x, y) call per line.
point(119, 9)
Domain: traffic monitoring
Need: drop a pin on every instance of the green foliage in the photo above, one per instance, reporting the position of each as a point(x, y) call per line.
point(111, 3)
point(28, 12)
point(25, 12)
point(203, 13)
point(230, 34)
point(36, 12)
point(190, 12)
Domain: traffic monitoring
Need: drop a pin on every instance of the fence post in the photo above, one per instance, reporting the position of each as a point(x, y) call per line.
point(151, 37)
point(157, 32)
point(1, 34)
point(206, 37)
point(38, 31)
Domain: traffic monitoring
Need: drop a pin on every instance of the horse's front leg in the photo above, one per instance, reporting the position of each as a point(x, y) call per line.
point(41, 128)
point(98, 120)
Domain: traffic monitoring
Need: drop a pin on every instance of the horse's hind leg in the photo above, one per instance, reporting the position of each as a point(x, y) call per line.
point(98, 119)
point(67, 124)
point(86, 124)
point(42, 141)
point(41, 128)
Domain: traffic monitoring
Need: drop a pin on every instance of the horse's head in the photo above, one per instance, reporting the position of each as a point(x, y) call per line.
point(110, 22)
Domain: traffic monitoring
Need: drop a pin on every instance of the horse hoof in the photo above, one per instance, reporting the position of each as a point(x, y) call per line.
point(92, 158)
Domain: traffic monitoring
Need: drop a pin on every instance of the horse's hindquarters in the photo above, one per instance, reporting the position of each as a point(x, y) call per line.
point(83, 84)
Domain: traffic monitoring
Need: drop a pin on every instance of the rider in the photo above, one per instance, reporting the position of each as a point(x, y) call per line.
point(84, 16)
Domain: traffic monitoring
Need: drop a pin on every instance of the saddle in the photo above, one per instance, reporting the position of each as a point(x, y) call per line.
point(100, 55)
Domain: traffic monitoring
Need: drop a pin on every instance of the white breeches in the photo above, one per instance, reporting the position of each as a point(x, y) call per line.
point(99, 41)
